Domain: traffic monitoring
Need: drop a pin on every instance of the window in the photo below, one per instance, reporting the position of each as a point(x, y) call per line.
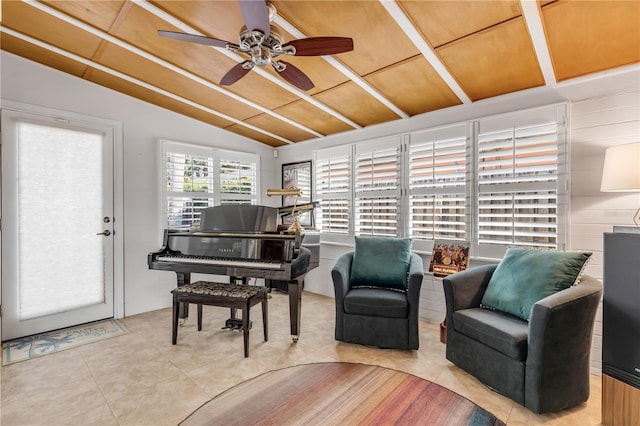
point(238, 178)
point(333, 189)
point(197, 177)
point(437, 184)
point(517, 186)
point(495, 182)
point(376, 188)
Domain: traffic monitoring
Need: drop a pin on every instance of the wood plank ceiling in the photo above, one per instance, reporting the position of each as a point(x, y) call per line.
point(409, 57)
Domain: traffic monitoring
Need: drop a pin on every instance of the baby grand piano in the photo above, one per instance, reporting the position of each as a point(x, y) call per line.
point(239, 241)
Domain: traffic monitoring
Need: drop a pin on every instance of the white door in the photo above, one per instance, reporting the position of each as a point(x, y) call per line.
point(57, 223)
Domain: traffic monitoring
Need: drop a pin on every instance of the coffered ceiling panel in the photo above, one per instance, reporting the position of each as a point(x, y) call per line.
point(495, 61)
point(142, 69)
point(257, 136)
point(585, 37)
point(28, 20)
point(218, 19)
point(377, 39)
point(124, 86)
point(139, 28)
point(279, 127)
point(350, 100)
point(442, 22)
point(409, 57)
point(313, 117)
point(414, 86)
point(100, 14)
point(41, 55)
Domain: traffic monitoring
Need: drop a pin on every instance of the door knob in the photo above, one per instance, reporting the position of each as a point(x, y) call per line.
point(106, 233)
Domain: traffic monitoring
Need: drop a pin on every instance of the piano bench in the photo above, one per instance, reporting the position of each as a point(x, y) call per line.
point(235, 296)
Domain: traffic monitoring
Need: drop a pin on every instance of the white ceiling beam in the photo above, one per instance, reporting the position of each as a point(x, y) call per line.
point(531, 12)
point(134, 80)
point(287, 26)
point(430, 55)
point(162, 62)
point(263, 73)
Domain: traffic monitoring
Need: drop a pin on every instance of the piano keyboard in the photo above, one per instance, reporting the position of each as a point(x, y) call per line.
point(222, 261)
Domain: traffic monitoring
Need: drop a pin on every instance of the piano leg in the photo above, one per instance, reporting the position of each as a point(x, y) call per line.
point(295, 305)
point(183, 279)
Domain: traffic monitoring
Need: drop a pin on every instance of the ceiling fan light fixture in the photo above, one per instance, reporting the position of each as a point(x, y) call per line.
point(249, 39)
point(261, 56)
point(261, 49)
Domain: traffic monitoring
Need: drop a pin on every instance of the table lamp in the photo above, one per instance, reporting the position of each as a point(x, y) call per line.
point(295, 226)
point(621, 171)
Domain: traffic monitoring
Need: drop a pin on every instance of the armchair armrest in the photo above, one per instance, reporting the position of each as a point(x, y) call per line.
point(340, 274)
point(416, 274)
point(465, 289)
point(559, 345)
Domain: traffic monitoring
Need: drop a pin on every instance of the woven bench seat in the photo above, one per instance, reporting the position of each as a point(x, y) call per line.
point(234, 296)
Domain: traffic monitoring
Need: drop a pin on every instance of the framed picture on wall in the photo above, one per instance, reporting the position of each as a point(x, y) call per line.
point(298, 175)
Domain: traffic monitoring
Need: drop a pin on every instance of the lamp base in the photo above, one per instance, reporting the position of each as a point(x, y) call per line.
point(295, 226)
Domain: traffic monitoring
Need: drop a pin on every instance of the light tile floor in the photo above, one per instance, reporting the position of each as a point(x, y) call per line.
point(141, 379)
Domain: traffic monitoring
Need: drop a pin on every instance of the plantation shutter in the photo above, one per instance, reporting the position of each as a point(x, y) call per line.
point(197, 177)
point(437, 184)
point(518, 186)
point(333, 177)
point(238, 178)
point(189, 181)
point(376, 188)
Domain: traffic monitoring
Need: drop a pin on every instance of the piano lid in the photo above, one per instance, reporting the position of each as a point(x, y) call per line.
point(239, 218)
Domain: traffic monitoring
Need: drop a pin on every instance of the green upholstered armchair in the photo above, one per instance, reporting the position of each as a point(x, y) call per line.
point(377, 316)
point(542, 363)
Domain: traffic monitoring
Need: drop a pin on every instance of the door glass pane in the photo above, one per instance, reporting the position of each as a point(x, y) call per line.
point(60, 211)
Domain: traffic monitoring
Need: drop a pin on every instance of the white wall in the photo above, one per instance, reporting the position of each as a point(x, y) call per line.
point(597, 124)
point(143, 124)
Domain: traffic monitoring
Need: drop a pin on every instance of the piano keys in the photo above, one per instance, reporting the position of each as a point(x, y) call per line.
point(204, 260)
point(239, 241)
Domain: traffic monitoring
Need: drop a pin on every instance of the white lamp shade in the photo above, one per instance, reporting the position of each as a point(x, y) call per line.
point(621, 171)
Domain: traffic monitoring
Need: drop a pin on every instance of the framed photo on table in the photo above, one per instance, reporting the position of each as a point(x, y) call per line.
point(449, 257)
point(298, 175)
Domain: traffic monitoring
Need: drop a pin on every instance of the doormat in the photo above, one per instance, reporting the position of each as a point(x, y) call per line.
point(55, 341)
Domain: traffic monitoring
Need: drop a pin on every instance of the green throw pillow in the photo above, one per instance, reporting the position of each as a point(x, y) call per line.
point(524, 277)
point(381, 262)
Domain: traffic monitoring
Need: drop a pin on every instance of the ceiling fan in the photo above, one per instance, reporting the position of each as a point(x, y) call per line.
point(263, 43)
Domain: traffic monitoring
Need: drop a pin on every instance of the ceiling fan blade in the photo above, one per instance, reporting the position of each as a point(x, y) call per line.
point(255, 15)
point(318, 46)
point(192, 38)
point(236, 73)
point(294, 76)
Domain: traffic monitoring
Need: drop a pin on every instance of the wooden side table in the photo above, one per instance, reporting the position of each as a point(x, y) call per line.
point(443, 331)
point(620, 403)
